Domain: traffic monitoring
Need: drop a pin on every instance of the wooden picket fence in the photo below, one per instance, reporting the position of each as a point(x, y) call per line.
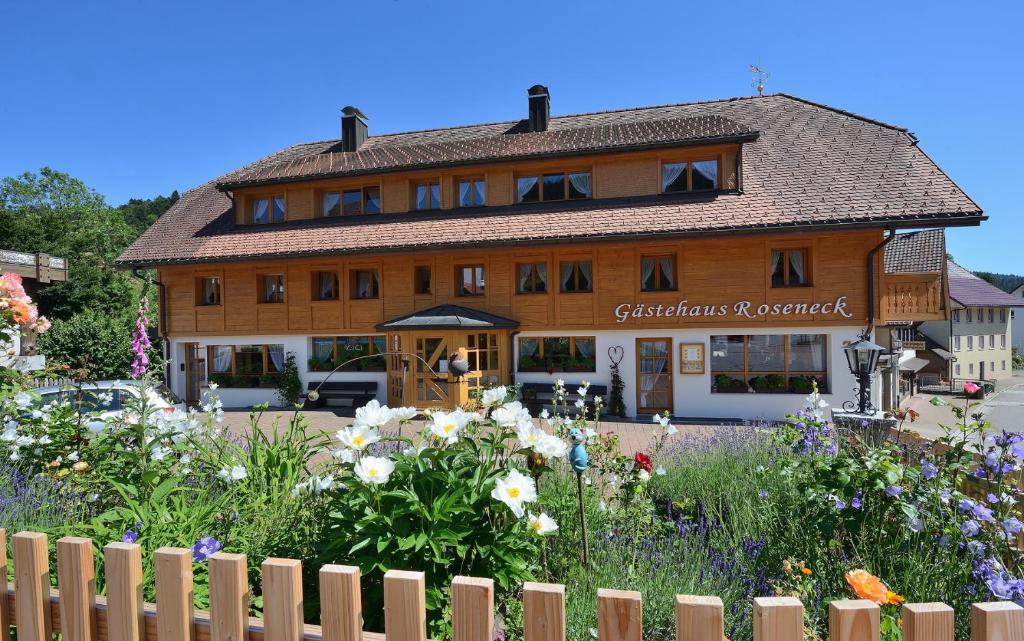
point(77, 614)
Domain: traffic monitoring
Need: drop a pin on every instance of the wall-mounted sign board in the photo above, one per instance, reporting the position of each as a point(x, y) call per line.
point(691, 358)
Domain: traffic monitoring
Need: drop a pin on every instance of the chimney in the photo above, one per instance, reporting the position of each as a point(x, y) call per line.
point(540, 107)
point(353, 129)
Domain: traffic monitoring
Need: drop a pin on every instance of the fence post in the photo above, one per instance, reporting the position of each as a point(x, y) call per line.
point(282, 600)
point(619, 615)
point(472, 609)
point(174, 598)
point(853, 620)
point(5, 617)
point(927, 622)
point(341, 603)
point(997, 621)
point(229, 597)
point(122, 563)
point(778, 619)
point(76, 578)
point(543, 612)
point(699, 618)
point(32, 586)
point(405, 606)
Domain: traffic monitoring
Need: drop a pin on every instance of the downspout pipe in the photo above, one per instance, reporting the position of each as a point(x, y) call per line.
point(871, 275)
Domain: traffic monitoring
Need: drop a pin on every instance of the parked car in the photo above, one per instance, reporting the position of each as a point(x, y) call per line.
point(110, 398)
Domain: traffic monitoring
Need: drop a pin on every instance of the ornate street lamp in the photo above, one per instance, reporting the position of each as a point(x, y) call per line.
point(862, 357)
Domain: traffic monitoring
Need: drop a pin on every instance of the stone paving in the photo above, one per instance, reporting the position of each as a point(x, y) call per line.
point(1004, 408)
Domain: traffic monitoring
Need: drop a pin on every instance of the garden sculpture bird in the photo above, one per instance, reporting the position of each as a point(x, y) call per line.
point(578, 452)
point(458, 364)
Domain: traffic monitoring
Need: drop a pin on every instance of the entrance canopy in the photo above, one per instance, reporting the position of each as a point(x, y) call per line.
point(448, 317)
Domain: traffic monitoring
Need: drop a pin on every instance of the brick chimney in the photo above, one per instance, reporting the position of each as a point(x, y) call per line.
point(540, 107)
point(353, 129)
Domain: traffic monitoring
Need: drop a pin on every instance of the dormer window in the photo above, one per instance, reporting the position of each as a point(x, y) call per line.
point(428, 195)
point(696, 175)
point(267, 209)
point(472, 192)
point(547, 187)
point(351, 202)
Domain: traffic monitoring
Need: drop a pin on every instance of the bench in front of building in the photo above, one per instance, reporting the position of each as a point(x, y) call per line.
point(341, 394)
point(540, 396)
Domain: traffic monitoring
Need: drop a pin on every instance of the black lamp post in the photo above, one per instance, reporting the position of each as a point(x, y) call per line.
point(862, 357)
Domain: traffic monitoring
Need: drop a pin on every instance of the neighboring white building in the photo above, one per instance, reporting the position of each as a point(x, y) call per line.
point(1017, 326)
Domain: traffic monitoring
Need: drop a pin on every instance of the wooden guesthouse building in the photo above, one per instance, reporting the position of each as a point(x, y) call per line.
point(720, 253)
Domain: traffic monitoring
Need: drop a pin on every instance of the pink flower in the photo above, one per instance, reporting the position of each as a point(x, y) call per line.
point(971, 388)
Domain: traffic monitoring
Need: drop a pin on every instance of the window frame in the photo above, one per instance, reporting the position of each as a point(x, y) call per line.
point(689, 175)
point(372, 349)
point(539, 175)
point(353, 283)
point(657, 272)
point(785, 251)
point(472, 180)
point(576, 275)
point(786, 373)
point(956, 343)
point(543, 365)
point(427, 184)
point(200, 291)
point(534, 278)
point(233, 370)
point(271, 199)
point(315, 285)
point(460, 280)
point(417, 281)
point(281, 289)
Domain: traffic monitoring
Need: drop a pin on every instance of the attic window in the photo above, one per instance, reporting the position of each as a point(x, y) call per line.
point(696, 175)
point(267, 209)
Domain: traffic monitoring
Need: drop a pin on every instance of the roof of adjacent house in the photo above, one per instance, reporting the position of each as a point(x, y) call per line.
point(804, 166)
point(918, 251)
point(971, 291)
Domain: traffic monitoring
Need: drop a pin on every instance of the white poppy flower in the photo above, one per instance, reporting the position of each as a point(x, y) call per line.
point(541, 524)
point(446, 425)
point(510, 414)
point(374, 469)
point(236, 473)
point(373, 415)
point(494, 396)
point(529, 434)
point(403, 414)
point(358, 436)
point(344, 455)
point(551, 446)
point(514, 490)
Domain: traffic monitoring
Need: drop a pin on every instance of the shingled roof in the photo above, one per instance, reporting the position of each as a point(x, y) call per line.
point(918, 251)
point(971, 291)
point(805, 166)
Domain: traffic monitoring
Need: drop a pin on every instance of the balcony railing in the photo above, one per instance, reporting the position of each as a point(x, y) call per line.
point(913, 297)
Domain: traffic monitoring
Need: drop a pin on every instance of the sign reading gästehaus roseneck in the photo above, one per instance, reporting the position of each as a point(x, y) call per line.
point(740, 309)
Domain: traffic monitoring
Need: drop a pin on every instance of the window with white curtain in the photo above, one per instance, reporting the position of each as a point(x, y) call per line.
point(658, 273)
point(272, 288)
point(556, 354)
point(695, 175)
point(325, 285)
point(573, 185)
point(769, 363)
point(364, 284)
point(208, 290)
point(532, 278)
point(472, 192)
point(428, 195)
point(576, 276)
point(789, 268)
point(241, 365)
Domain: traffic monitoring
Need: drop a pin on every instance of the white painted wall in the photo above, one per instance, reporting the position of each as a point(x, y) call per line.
point(1017, 324)
point(692, 393)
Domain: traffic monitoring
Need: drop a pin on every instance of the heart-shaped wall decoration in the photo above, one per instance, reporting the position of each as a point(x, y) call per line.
point(615, 352)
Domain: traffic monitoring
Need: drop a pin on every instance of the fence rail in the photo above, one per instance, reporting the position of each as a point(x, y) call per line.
point(78, 614)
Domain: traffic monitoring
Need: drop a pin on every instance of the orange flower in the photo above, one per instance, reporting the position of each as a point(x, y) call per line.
point(868, 586)
point(893, 598)
point(806, 571)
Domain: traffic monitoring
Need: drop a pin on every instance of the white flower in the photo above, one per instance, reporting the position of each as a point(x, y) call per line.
point(671, 430)
point(358, 436)
point(213, 386)
point(373, 414)
point(529, 434)
point(403, 414)
point(73, 457)
point(374, 469)
point(22, 400)
point(591, 434)
point(644, 476)
point(236, 473)
point(544, 414)
point(510, 414)
point(446, 425)
point(494, 396)
point(602, 506)
point(159, 453)
point(582, 391)
point(580, 404)
point(660, 471)
point(514, 490)
point(551, 447)
point(344, 455)
point(541, 524)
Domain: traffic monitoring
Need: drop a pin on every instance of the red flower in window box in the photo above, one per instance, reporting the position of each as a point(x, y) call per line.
point(643, 461)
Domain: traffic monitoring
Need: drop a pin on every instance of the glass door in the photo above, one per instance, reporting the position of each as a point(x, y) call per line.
point(654, 375)
point(195, 373)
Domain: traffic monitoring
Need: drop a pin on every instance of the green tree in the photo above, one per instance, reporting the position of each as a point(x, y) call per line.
point(140, 213)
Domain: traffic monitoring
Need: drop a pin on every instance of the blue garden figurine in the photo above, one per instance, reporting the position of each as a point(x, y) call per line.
point(578, 452)
point(579, 461)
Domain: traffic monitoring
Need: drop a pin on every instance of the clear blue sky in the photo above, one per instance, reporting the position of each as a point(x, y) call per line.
point(140, 98)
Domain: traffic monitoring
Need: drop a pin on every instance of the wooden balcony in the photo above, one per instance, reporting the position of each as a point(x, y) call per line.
point(913, 297)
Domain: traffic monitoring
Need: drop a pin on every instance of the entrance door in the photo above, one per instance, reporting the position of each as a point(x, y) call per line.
point(398, 370)
point(430, 389)
point(654, 375)
point(195, 373)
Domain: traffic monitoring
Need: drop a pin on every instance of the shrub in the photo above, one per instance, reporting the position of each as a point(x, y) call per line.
point(289, 385)
point(95, 341)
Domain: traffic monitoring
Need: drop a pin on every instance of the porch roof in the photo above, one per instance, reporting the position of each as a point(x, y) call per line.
point(448, 317)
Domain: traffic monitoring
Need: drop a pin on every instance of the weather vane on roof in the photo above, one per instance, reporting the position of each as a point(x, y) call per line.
point(760, 76)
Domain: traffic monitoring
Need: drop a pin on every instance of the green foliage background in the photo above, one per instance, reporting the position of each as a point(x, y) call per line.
point(55, 213)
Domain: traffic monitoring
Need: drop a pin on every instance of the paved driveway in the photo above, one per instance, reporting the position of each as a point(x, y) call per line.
point(1004, 408)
